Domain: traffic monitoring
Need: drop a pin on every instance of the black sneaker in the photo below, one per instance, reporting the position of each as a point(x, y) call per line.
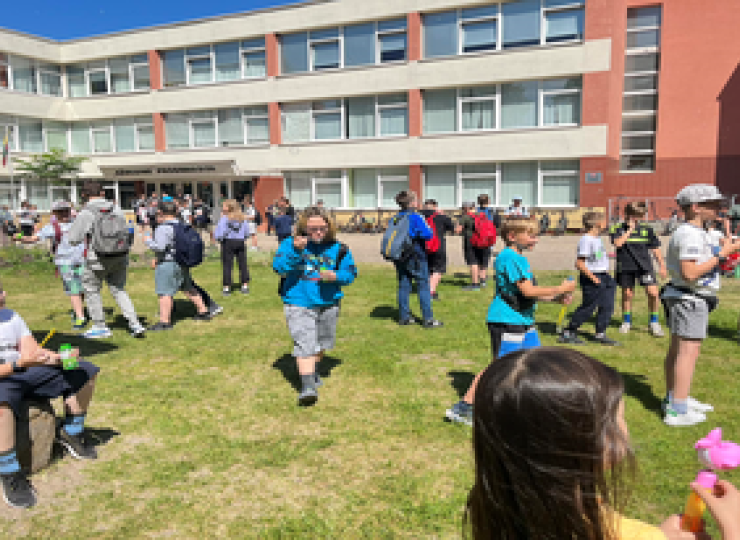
point(77, 445)
point(570, 338)
point(17, 490)
point(435, 296)
point(406, 322)
point(202, 316)
point(160, 327)
point(432, 323)
point(606, 341)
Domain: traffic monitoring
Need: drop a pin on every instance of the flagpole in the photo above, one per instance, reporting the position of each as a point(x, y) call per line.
point(10, 168)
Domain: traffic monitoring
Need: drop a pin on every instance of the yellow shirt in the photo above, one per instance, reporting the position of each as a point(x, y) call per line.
point(631, 529)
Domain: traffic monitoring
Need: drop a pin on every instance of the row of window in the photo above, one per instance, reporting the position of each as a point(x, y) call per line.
point(27, 75)
point(225, 127)
point(111, 76)
point(544, 183)
point(214, 63)
point(640, 101)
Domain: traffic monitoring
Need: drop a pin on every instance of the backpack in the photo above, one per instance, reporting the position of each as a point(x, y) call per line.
point(109, 235)
point(397, 244)
point(188, 245)
point(341, 254)
point(257, 217)
point(434, 243)
point(484, 235)
point(57, 236)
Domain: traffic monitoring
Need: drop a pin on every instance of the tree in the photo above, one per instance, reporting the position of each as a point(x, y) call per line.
point(53, 165)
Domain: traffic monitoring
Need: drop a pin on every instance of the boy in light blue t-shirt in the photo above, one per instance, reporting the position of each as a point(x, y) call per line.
point(511, 314)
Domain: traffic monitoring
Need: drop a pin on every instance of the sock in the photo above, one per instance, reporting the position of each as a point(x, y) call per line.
point(9, 462)
point(627, 317)
point(308, 380)
point(653, 317)
point(74, 423)
point(681, 406)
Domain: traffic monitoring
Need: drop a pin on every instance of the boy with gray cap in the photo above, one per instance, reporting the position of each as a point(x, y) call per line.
point(693, 264)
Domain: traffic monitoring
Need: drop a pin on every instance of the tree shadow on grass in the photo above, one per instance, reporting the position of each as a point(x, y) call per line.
point(636, 386)
point(286, 364)
point(385, 312)
point(88, 347)
point(461, 381)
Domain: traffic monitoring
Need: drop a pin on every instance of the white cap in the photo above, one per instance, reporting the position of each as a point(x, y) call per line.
point(698, 193)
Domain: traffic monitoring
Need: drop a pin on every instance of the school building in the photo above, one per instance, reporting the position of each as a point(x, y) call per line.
point(567, 103)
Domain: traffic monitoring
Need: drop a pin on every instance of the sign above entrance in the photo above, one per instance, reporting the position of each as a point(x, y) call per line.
point(173, 170)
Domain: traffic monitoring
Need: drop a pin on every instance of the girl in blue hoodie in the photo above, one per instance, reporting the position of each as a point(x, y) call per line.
point(314, 267)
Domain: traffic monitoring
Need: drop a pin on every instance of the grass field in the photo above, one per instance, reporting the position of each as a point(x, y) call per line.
point(200, 435)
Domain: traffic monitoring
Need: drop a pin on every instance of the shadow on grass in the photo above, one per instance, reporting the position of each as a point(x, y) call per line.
point(96, 436)
point(548, 328)
point(723, 332)
point(286, 364)
point(88, 347)
point(385, 312)
point(636, 386)
point(461, 381)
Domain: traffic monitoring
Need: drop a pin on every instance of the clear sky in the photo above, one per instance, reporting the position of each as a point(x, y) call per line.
point(71, 19)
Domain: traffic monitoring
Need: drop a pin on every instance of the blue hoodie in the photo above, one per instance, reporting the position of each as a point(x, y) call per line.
point(300, 269)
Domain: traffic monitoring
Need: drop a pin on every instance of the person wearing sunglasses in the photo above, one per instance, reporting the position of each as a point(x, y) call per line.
point(314, 267)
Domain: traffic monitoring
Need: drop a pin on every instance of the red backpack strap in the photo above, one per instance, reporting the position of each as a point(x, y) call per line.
point(57, 235)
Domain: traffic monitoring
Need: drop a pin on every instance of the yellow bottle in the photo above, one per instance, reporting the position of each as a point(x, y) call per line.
point(691, 520)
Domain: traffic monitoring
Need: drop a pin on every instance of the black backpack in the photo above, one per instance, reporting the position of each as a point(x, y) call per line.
point(188, 245)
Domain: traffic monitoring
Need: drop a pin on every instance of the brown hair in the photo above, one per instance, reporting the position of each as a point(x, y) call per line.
point(405, 198)
point(91, 188)
point(234, 211)
point(517, 224)
point(550, 455)
point(301, 228)
point(168, 208)
point(638, 208)
point(483, 200)
point(592, 219)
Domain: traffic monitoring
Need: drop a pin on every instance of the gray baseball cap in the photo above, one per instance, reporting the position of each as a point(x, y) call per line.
point(698, 193)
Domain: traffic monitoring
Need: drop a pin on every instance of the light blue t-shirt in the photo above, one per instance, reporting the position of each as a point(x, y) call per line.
point(510, 268)
point(66, 254)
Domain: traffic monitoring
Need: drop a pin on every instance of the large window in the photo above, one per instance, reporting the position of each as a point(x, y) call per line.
point(351, 118)
point(545, 183)
point(215, 63)
point(28, 75)
point(111, 76)
point(640, 102)
point(225, 127)
point(521, 23)
point(505, 106)
point(340, 47)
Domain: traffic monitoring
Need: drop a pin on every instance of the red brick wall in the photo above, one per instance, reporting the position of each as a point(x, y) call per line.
point(266, 189)
point(160, 138)
point(155, 70)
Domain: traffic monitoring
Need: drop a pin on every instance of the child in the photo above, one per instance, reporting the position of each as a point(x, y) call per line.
point(552, 449)
point(511, 314)
point(170, 277)
point(232, 231)
point(690, 297)
point(26, 372)
point(436, 262)
point(314, 267)
point(635, 241)
point(476, 258)
point(69, 259)
point(597, 285)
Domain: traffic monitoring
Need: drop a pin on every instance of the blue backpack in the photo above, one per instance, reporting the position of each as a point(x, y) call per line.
point(397, 244)
point(188, 246)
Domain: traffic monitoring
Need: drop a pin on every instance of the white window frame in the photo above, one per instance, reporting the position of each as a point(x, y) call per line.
point(380, 179)
point(544, 11)
point(188, 70)
point(496, 98)
point(462, 22)
point(132, 80)
point(542, 93)
point(461, 177)
point(342, 113)
point(341, 181)
point(112, 132)
point(386, 107)
point(41, 71)
point(379, 34)
point(245, 126)
point(193, 120)
point(138, 125)
point(243, 52)
point(542, 176)
point(339, 40)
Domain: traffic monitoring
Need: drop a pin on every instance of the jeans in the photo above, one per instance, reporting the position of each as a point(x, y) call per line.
point(595, 296)
point(406, 273)
point(113, 273)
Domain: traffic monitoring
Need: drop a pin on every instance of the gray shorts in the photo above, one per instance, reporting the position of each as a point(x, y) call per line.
point(688, 317)
point(170, 277)
point(313, 329)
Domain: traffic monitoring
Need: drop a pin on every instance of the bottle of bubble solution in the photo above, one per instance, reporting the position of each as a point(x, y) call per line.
point(691, 520)
point(68, 361)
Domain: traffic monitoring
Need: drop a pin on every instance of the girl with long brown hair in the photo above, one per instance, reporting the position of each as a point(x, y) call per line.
point(232, 231)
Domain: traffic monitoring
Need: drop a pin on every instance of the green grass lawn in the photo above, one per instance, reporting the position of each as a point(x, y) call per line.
point(201, 436)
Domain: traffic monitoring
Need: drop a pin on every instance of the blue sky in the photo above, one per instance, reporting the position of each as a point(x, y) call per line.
point(81, 18)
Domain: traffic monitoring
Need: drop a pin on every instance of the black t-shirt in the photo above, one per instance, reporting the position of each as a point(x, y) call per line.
point(442, 225)
point(634, 255)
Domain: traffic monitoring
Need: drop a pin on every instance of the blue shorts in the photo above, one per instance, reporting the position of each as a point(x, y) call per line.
point(508, 338)
point(170, 277)
point(44, 382)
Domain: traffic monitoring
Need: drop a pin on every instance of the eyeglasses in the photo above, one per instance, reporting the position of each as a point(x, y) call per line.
point(318, 229)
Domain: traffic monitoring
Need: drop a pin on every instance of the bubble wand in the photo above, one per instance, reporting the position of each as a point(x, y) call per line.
point(563, 311)
point(714, 454)
point(48, 337)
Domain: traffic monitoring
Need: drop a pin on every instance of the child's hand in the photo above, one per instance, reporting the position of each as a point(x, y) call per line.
point(567, 286)
point(300, 242)
point(724, 504)
point(328, 275)
point(566, 299)
point(672, 530)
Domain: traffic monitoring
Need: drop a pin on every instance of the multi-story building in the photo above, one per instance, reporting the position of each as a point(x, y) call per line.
point(566, 103)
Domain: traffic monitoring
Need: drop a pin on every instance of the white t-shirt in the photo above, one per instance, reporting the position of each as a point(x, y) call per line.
point(592, 249)
point(12, 329)
point(689, 242)
point(66, 254)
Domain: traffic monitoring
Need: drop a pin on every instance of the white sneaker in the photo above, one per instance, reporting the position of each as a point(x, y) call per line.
point(625, 328)
point(656, 330)
point(97, 332)
point(698, 406)
point(691, 418)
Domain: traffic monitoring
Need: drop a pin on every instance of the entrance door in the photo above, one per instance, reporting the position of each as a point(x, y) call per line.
point(242, 188)
point(111, 193)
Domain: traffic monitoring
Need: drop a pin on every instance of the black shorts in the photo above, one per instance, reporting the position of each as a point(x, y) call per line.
point(627, 280)
point(477, 256)
point(437, 262)
point(27, 229)
point(44, 382)
point(497, 330)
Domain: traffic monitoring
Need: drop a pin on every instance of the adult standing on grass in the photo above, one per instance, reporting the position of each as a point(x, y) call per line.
point(284, 219)
point(99, 223)
point(314, 267)
point(253, 219)
point(232, 231)
point(693, 264)
point(437, 261)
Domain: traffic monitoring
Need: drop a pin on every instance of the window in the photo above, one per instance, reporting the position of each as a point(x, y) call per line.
point(477, 180)
point(37, 193)
point(31, 136)
point(102, 141)
point(174, 67)
point(519, 179)
point(112, 76)
point(478, 108)
point(560, 183)
point(296, 122)
point(177, 128)
point(479, 29)
point(225, 127)
point(325, 49)
point(228, 61)
point(359, 44)
point(253, 58)
point(392, 40)
point(76, 86)
point(327, 119)
point(564, 20)
point(97, 81)
point(199, 65)
point(440, 34)
point(257, 125)
point(24, 74)
point(440, 111)
point(50, 79)
point(440, 184)
point(55, 136)
point(145, 134)
point(133, 134)
point(139, 71)
point(640, 100)
point(360, 117)
point(391, 183)
point(294, 52)
point(561, 102)
point(363, 188)
point(4, 71)
point(230, 127)
point(120, 79)
point(80, 138)
point(203, 129)
point(521, 23)
point(519, 104)
point(304, 188)
point(393, 114)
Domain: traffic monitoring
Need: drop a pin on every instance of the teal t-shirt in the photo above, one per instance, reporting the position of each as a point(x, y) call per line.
point(510, 268)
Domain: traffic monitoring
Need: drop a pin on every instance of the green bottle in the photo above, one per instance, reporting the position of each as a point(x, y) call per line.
point(68, 361)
